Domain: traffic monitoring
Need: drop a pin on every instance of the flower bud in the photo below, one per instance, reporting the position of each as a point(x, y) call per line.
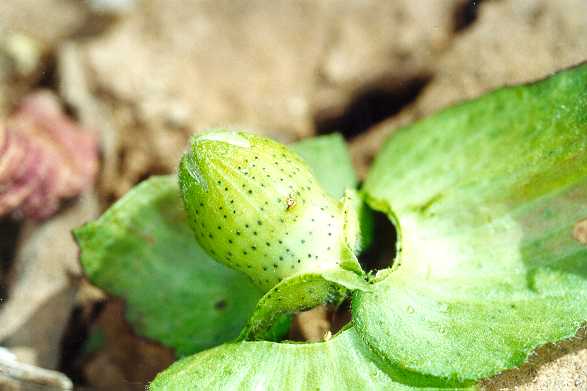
point(255, 206)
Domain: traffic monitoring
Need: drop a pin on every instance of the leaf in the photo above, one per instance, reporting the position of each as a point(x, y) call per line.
point(142, 250)
point(298, 293)
point(330, 161)
point(359, 221)
point(485, 196)
point(342, 363)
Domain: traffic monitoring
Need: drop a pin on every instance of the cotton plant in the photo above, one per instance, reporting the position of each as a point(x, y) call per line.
point(486, 197)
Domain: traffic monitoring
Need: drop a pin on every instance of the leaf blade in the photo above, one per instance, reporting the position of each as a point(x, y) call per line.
point(329, 159)
point(485, 224)
point(342, 363)
point(142, 250)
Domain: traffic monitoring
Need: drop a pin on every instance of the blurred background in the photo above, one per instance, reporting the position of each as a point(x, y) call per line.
point(97, 95)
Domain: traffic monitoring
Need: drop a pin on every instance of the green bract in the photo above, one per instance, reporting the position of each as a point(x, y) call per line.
point(485, 197)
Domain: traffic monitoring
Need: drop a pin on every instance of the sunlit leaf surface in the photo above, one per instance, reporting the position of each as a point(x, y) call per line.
point(486, 196)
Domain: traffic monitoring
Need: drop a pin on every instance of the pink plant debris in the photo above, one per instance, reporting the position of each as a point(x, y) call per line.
point(44, 158)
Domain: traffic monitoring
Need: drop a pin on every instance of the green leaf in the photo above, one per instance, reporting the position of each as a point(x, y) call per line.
point(359, 221)
point(141, 249)
point(485, 196)
point(299, 293)
point(330, 161)
point(342, 363)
